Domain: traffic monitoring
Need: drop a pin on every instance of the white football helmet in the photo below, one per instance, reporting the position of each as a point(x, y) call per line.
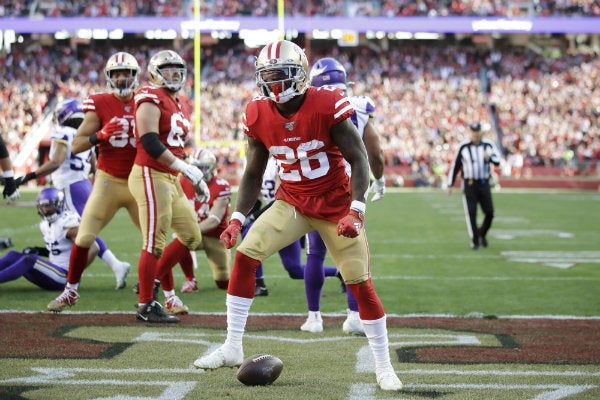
point(121, 61)
point(281, 71)
point(206, 161)
point(167, 69)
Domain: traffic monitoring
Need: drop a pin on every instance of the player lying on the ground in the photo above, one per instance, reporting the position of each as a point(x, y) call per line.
point(59, 228)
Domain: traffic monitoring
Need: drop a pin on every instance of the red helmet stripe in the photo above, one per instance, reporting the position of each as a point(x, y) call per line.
point(274, 50)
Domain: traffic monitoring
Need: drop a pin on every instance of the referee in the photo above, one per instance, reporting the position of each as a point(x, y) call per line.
point(473, 158)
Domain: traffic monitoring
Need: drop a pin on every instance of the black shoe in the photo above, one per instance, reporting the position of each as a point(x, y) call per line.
point(475, 245)
point(154, 312)
point(136, 288)
point(5, 243)
point(261, 291)
point(484, 241)
point(339, 276)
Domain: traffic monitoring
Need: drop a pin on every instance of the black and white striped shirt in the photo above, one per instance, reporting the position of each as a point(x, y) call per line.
point(470, 159)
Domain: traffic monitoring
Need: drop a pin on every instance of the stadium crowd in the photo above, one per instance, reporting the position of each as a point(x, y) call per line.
point(348, 8)
point(548, 107)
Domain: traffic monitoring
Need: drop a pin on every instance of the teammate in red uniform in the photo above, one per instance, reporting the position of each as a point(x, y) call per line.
point(309, 131)
point(107, 124)
point(162, 126)
point(212, 219)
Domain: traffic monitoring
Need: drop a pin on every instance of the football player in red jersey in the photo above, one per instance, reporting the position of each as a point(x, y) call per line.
point(309, 131)
point(162, 126)
point(212, 219)
point(108, 125)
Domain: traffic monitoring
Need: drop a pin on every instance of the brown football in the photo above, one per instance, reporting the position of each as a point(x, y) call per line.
point(259, 370)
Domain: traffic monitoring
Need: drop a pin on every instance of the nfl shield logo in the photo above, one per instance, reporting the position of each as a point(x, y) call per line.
point(289, 125)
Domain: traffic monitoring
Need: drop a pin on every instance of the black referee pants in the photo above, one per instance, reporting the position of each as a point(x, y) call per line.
point(478, 192)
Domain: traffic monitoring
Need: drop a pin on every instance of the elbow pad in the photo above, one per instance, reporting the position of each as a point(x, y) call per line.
point(152, 144)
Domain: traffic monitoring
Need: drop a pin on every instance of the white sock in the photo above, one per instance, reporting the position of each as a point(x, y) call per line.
point(109, 258)
point(314, 315)
point(194, 259)
point(169, 293)
point(237, 314)
point(72, 286)
point(376, 332)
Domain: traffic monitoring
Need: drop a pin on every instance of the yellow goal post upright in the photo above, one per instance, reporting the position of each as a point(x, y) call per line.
point(197, 80)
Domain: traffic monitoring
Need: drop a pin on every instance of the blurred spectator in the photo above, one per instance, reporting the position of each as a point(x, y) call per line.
point(547, 105)
point(348, 8)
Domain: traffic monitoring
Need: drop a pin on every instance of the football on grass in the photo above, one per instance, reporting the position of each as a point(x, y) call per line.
point(259, 369)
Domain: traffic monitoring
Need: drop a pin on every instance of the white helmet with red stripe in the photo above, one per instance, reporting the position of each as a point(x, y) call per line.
point(206, 161)
point(167, 69)
point(281, 71)
point(122, 85)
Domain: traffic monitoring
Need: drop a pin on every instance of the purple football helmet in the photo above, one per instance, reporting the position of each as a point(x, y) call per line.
point(67, 109)
point(328, 71)
point(53, 198)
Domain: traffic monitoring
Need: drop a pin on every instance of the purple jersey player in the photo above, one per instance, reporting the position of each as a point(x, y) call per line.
point(58, 227)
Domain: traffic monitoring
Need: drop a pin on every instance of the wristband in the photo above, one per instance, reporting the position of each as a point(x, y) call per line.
point(178, 165)
point(358, 206)
point(93, 138)
point(8, 174)
point(239, 216)
point(213, 216)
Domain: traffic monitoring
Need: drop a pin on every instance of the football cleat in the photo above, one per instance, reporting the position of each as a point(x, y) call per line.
point(225, 356)
point(387, 380)
point(189, 286)
point(175, 306)
point(68, 298)
point(121, 270)
point(154, 312)
point(352, 324)
point(312, 324)
point(261, 291)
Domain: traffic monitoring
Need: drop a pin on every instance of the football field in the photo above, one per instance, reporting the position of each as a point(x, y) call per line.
point(517, 320)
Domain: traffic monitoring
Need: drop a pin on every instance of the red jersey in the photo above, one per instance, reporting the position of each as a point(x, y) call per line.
point(219, 189)
point(311, 166)
point(173, 127)
point(116, 155)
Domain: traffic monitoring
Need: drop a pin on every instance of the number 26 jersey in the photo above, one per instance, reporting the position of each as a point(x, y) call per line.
point(310, 165)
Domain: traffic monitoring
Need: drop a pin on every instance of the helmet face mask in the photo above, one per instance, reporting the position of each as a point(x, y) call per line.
point(206, 161)
point(50, 204)
point(281, 71)
point(121, 72)
point(168, 70)
point(69, 109)
point(328, 71)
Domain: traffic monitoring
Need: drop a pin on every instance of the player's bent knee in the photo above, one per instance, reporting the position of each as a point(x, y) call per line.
point(85, 240)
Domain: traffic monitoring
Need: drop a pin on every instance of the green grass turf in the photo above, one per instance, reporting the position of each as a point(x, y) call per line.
point(421, 259)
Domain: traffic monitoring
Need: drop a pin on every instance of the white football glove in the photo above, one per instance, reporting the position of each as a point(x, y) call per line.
point(190, 171)
point(378, 188)
point(202, 192)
